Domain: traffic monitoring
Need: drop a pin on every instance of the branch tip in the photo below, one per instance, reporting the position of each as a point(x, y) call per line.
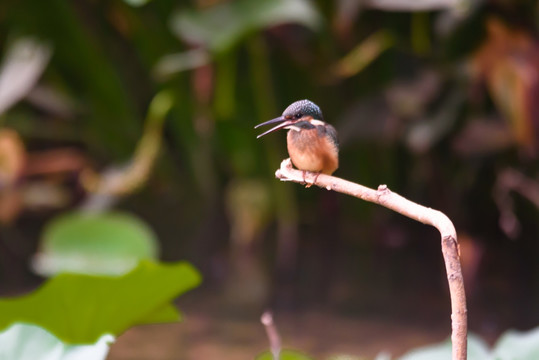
point(267, 318)
point(273, 335)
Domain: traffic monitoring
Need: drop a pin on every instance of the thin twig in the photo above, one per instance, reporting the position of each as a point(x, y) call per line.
point(450, 249)
point(273, 334)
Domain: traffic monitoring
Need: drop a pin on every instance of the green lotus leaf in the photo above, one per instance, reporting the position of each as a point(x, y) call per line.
point(79, 308)
point(477, 350)
point(517, 345)
point(26, 341)
point(110, 243)
point(284, 355)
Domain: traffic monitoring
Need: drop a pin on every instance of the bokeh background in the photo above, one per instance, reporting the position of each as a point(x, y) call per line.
point(148, 107)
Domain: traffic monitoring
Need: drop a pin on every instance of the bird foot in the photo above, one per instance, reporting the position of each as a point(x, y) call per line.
point(306, 183)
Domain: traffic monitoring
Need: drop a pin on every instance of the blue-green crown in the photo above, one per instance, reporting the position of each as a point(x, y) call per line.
point(304, 107)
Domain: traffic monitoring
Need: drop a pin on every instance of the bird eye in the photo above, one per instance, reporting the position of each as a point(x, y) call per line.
point(299, 116)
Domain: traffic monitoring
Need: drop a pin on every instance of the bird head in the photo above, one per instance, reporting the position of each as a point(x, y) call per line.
point(300, 114)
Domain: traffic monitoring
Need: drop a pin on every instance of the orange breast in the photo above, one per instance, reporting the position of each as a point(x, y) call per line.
point(311, 152)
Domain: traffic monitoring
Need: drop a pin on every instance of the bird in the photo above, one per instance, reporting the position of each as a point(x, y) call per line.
point(312, 143)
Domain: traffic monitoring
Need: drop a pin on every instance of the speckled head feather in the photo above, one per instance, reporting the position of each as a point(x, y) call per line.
point(303, 108)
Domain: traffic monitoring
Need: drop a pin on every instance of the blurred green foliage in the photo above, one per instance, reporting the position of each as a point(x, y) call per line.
point(284, 355)
point(108, 243)
point(79, 309)
point(222, 27)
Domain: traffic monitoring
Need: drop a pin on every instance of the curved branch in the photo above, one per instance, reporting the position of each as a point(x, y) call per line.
point(385, 197)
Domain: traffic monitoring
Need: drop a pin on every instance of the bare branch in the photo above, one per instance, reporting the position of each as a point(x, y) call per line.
point(450, 249)
point(273, 334)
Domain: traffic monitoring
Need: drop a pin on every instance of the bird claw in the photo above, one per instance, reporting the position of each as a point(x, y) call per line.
point(303, 172)
point(306, 183)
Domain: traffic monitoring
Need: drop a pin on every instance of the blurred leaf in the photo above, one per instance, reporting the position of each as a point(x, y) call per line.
point(175, 63)
point(163, 314)
point(79, 309)
point(25, 341)
point(420, 33)
point(440, 351)
point(516, 345)
point(509, 63)
point(53, 101)
point(137, 2)
point(512, 345)
point(364, 54)
point(12, 157)
point(83, 64)
point(127, 178)
point(453, 19)
point(24, 63)
point(12, 162)
point(221, 27)
point(477, 350)
point(284, 355)
point(87, 243)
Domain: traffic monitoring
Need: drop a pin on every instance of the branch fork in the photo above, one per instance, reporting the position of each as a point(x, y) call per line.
point(385, 197)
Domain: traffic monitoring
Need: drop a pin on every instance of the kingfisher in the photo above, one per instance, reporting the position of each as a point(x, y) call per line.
point(312, 143)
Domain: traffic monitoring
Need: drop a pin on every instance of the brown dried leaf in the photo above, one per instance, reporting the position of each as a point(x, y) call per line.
point(12, 157)
point(508, 62)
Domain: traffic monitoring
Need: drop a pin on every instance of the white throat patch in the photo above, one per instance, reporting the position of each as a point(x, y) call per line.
point(313, 122)
point(293, 127)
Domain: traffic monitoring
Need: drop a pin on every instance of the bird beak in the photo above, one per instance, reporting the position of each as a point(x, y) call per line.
point(283, 123)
